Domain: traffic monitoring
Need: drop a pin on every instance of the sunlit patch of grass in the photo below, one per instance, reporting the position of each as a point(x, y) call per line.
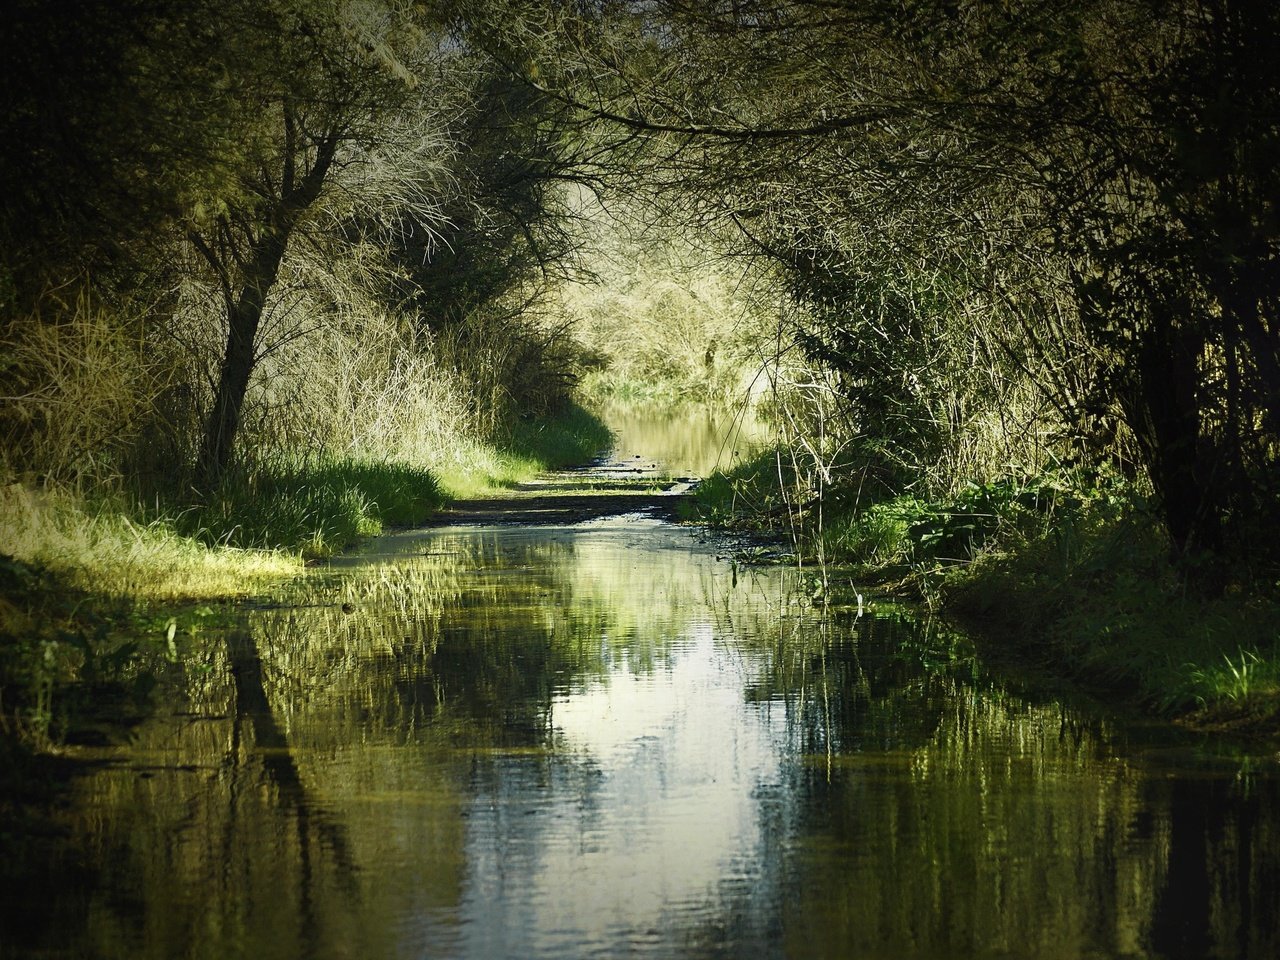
point(574, 437)
point(469, 468)
point(473, 469)
point(1235, 678)
point(101, 550)
point(317, 507)
point(608, 386)
point(259, 524)
point(879, 536)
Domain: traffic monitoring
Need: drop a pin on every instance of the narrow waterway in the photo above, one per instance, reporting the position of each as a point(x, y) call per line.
point(609, 738)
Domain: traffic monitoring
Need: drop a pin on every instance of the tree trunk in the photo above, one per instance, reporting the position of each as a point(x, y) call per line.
point(218, 443)
point(260, 270)
point(1166, 422)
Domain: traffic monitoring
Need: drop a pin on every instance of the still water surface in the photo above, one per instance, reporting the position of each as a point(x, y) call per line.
point(610, 740)
point(694, 440)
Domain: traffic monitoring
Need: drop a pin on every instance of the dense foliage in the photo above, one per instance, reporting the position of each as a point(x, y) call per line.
point(237, 231)
point(1040, 233)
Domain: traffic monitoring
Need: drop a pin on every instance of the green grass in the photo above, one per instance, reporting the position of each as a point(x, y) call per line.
point(260, 524)
point(608, 386)
point(575, 437)
point(472, 469)
point(1100, 598)
point(748, 496)
point(314, 507)
point(99, 548)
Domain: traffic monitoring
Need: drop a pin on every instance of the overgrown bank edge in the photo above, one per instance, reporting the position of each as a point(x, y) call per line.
point(92, 591)
point(1070, 571)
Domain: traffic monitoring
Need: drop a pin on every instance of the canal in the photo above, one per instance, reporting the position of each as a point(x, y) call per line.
point(613, 737)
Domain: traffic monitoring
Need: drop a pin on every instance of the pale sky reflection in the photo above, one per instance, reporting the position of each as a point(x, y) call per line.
point(680, 756)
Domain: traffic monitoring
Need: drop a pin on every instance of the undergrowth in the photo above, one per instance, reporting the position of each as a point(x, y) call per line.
point(1067, 569)
point(314, 507)
point(1099, 593)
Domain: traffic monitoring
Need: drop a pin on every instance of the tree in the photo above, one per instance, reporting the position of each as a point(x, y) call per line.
point(106, 120)
point(329, 83)
point(1122, 147)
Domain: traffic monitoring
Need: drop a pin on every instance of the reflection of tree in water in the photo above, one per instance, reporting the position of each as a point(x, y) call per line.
point(471, 638)
point(1222, 892)
point(328, 772)
point(206, 833)
point(319, 836)
point(971, 820)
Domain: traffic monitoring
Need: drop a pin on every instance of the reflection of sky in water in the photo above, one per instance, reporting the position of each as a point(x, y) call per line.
point(602, 741)
point(668, 814)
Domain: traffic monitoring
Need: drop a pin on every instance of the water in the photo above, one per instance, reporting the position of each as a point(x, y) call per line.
point(695, 440)
point(610, 740)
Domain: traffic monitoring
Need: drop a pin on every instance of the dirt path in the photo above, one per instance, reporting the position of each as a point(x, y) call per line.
point(607, 489)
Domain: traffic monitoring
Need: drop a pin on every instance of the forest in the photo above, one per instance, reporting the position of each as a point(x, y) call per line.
point(1004, 278)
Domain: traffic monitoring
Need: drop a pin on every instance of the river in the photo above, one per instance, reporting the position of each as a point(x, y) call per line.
point(614, 739)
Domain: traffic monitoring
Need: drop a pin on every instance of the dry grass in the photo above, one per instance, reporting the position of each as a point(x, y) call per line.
point(76, 385)
point(104, 552)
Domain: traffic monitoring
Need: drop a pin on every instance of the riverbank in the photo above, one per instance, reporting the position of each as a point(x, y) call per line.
point(96, 590)
point(1072, 577)
point(1098, 600)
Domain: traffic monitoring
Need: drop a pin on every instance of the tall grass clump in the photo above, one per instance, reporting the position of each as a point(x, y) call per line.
point(316, 507)
point(79, 383)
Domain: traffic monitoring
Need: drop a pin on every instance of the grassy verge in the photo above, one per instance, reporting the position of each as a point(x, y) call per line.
point(262, 523)
point(1069, 571)
point(91, 589)
point(101, 549)
point(575, 437)
point(1097, 595)
point(313, 507)
point(473, 469)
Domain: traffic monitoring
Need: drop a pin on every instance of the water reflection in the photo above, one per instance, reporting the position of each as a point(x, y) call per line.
point(663, 824)
point(692, 440)
point(603, 740)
